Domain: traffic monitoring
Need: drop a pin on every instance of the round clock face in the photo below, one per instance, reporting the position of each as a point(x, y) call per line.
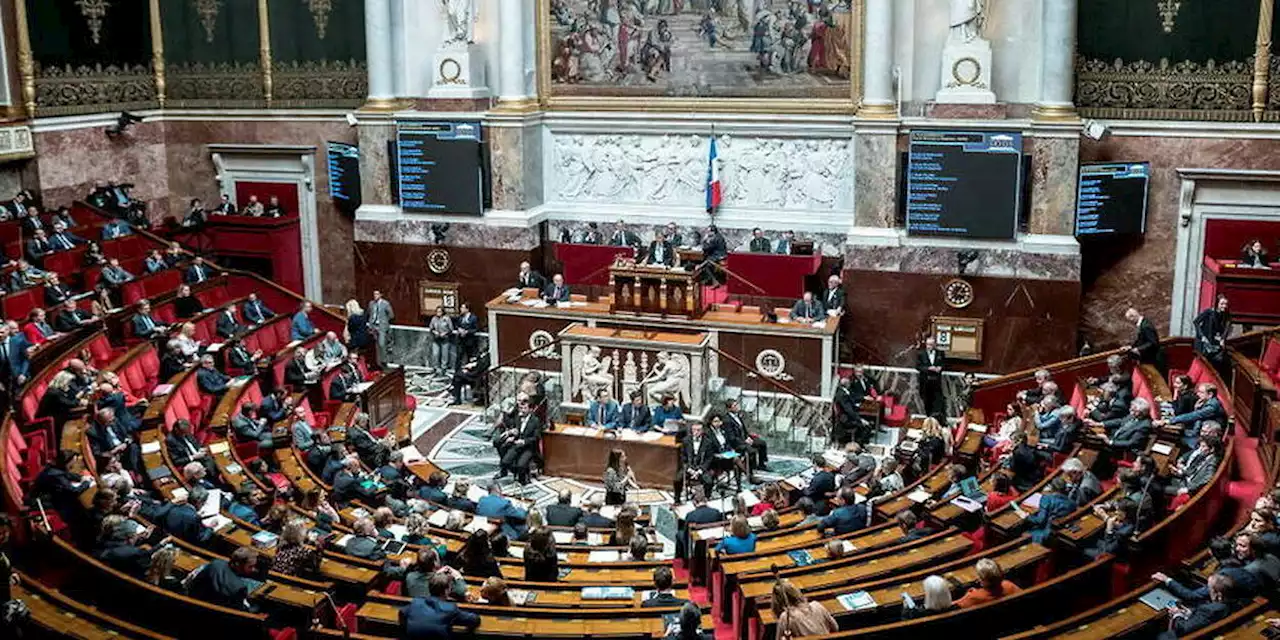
point(438, 261)
point(957, 293)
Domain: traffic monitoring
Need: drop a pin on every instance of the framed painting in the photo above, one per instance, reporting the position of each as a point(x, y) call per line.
point(770, 56)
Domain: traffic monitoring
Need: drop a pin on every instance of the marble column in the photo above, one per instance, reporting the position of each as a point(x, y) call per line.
point(398, 66)
point(878, 98)
point(1057, 66)
point(512, 95)
point(378, 44)
point(875, 191)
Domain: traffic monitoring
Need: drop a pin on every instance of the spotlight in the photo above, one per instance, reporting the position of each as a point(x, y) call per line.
point(123, 122)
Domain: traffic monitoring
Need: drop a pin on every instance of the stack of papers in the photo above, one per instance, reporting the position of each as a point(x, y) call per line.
point(756, 522)
point(650, 436)
point(920, 495)
point(712, 533)
point(360, 388)
point(516, 552)
point(857, 600)
point(562, 537)
point(834, 458)
point(608, 593)
point(475, 493)
point(520, 597)
point(411, 454)
point(219, 447)
point(1032, 501)
point(603, 556)
point(438, 518)
point(477, 524)
point(213, 505)
point(151, 447)
point(749, 498)
point(217, 522)
point(1162, 448)
point(970, 506)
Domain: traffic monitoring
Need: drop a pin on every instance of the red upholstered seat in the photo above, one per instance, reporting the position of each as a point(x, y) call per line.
point(895, 415)
point(1270, 361)
point(100, 351)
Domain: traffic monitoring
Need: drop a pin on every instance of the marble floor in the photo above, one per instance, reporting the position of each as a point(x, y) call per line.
point(456, 438)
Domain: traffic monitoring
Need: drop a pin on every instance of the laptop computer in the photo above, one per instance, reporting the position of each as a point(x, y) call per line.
point(1159, 599)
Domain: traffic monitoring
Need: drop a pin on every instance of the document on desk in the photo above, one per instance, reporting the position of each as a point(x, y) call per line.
point(1162, 448)
point(477, 524)
point(857, 600)
point(920, 495)
point(651, 436)
point(516, 552)
point(970, 506)
point(604, 556)
point(475, 493)
point(562, 537)
point(411, 454)
point(151, 447)
point(1032, 501)
point(219, 447)
point(212, 505)
point(711, 533)
point(438, 518)
point(360, 388)
point(610, 511)
point(834, 458)
point(749, 498)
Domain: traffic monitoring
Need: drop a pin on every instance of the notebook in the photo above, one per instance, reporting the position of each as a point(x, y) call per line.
point(801, 557)
point(856, 600)
point(970, 488)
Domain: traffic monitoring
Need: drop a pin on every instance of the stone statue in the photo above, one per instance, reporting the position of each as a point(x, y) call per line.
point(669, 377)
point(461, 17)
point(967, 19)
point(595, 373)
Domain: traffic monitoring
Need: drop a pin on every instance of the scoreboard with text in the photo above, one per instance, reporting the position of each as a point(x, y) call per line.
point(344, 174)
point(964, 183)
point(440, 167)
point(1111, 199)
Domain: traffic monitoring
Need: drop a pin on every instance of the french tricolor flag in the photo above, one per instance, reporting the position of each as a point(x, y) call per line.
point(713, 179)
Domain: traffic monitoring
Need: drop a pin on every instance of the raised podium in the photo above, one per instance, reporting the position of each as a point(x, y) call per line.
point(654, 289)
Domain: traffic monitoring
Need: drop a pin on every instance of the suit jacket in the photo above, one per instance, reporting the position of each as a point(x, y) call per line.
point(181, 448)
point(822, 483)
point(37, 249)
point(714, 247)
point(531, 280)
point(663, 600)
point(562, 515)
point(660, 253)
point(1088, 489)
point(154, 265)
point(170, 365)
point(211, 381)
point(227, 326)
point(1064, 437)
point(240, 357)
point(499, 508)
point(923, 364)
point(700, 456)
point(1202, 615)
point(249, 430)
point(433, 619)
point(559, 294)
point(735, 431)
point(301, 327)
point(1197, 468)
point(64, 241)
point(144, 326)
point(255, 312)
point(1210, 409)
point(340, 386)
point(295, 373)
point(847, 403)
point(1147, 344)
point(811, 310)
point(594, 520)
point(16, 362)
point(760, 245)
point(1131, 433)
point(115, 275)
point(104, 437)
point(862, 387)
point(380, 314)
point(219, 584)
point(603, 415)
point(833, 299)
point(56, 294)
point(638, 418)
point(183, 521)
point(846, 519)
point(624, 238)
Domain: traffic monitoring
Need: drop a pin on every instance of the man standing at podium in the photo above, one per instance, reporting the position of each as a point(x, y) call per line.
point(929, 363)
point(529, 279)
point(833, 298)
point(557, 291)
point(807, 309)
point(661, 252)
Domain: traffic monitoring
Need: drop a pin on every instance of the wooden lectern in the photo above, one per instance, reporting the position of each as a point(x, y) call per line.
point(652, 289)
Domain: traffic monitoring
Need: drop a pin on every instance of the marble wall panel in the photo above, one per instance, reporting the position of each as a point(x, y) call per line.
point(420, 231)
point(876, 180)
point(375, 163)
point(1140, 272)
point(1054, 168)
point(1006, 263)
point(70, 161)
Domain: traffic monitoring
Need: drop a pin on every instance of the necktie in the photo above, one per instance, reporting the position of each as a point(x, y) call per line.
point(4, 349)
point(831, 298)
point(199, 274)
point(148, 324)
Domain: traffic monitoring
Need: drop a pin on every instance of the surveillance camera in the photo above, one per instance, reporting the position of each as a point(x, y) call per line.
point(351, 119)
point(1095, 130)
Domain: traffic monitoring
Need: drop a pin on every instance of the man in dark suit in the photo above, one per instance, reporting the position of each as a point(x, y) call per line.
point(753, 448)
point(623, 237)
point(470, 375)
point(759, 243)
point(348, 377)
point(465, 328)
point(434, 617)
point(498, 508)
point(529, 279)
point(227, 326)
point(225, 206)
point(1128, 433)
point(145, 325)
point(15, 356)
point(209, 379)
point(833, 298)
point(929, 365)
point(1146, 346)
point(808, 310)
point(254, 311)
point(661, 251)
point(38, 247)
point(701, 514)
point(183, 447)
point(120, 551)
point(591, 517)
point(847, 405)
point(63, 240)
point(1222, 602)
point(822, 484)
point(522, 451)
point(114, 275)
point(846, 518)
point(635, 415)
point(563, 513)
point(296, 373)
point(697, 457)
point(172, 362)
point(557, 291)
point(108, 438)
point(664, 595)
point(1064, 437)
point(714, 247)
point(241, 359)
point(55, 293)
point(183, 520)
point(223, 582)
point(250, 427)
point(72, 317)
point(198, 271)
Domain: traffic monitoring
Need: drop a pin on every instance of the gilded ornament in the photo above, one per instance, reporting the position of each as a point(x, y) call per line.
point(1168, 14)
point(320, 10)
point(208, 10)
point(94, 11)
point(1167, 90)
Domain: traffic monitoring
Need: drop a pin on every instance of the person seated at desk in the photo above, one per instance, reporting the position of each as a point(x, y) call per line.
point(496, 506)
point(71, 317)
point(850, 516)
point(1208, 409)
point(663, 593)
point(623, 237)
point(667, 411)
point(833, 298)
point(661, 251)
point(476, 558)
point(182, 520)
point(603, 411)
point(118, 541)
point(1195, 468)
point(300, 328)
point(557, 291)
point(1128, 433)
point(1253, 255)
point(783, 247)
point(563, 513)
point(937, 600)
point(114, 275)
point(227, 326)
point(714, 247)
point(808, 310)
point(63, 240)
point(635, 415)
point(697, 457)
point(1060, 434)
point(38, 247)
point(298, 374)
point(250, 426)
point(741, 538)
point(37, 329)
point(591, 516)
point(797, 616)
point(145, 326)
point(1221, 601)
point(529, 279)
point(342, 387)
point(435, 617)
point(330, 351)
point(209, 379)
point(25, 276)
point(254, 311)
point(93, 255)
point(523, 446)
point(822, 484)
point(154, 262)
point(759, 243)
point(227, 583)
point(241, 360)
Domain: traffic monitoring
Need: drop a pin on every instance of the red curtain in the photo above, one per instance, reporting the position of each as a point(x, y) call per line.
point(286, 191)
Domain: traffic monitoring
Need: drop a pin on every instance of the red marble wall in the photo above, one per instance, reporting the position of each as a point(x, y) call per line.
point(169, 164)
point(1140, 272)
